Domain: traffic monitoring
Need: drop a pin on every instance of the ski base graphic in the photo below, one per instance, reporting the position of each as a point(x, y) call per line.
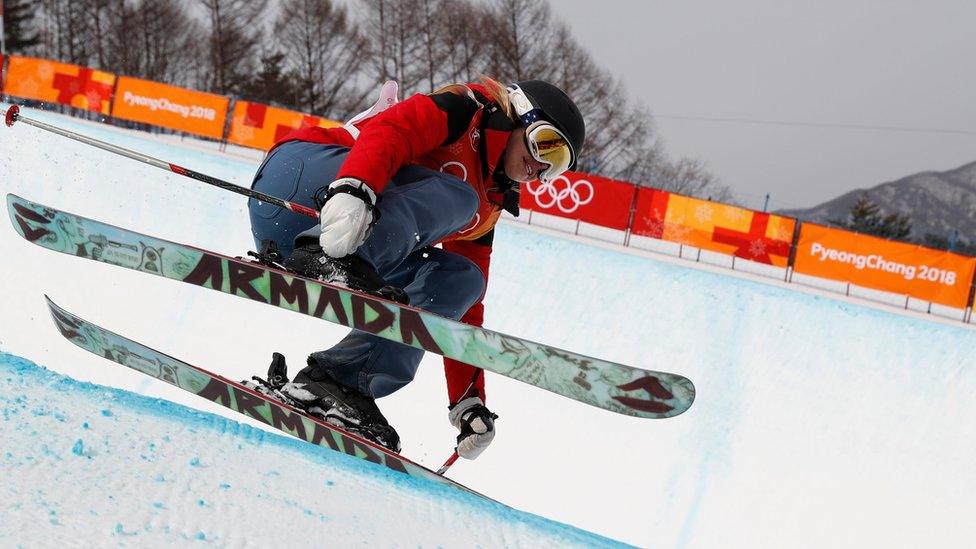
point(616, 387)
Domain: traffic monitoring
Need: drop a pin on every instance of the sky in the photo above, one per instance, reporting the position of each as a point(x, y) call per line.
point(811, 68)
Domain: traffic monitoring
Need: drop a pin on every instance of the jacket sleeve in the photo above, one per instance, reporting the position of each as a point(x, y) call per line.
point(405, 131)
point(464, 380)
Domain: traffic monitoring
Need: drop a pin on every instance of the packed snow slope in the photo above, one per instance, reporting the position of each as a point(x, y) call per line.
point(88, 465)
point(818, 422)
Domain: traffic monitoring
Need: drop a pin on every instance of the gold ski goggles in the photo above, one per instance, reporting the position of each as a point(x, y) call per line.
point(549, 146)
point(545, 142)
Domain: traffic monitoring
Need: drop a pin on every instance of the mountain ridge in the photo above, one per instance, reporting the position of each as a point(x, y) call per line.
point(938, 202)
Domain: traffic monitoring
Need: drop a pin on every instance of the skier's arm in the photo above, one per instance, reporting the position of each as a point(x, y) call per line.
point(466, 383)
point(404, 132)
point(464, 380)
point(386, 142)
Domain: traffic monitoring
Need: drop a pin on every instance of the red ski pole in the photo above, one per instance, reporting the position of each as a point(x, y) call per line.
point(13, 115)
point(447, 464)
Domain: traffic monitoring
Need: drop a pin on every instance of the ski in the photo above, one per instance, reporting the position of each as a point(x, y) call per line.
point(232, 395)
point(616, 387)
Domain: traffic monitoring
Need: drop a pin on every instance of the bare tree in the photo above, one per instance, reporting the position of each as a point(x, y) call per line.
point(115, 41)
point(66, 30)
point(689, 176)
point(430, 25)
point(20, 28)
point(325, 48)
point(233, 42)
point(152, 39)
point(620, 135)
point(328, 57)
point(461, 38)
point(396, 45)
point(520, 39)
point(621, 140)
point(98, 9)
point(274, 83)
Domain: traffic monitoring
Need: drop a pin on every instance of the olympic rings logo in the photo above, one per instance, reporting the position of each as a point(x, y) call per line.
point(568, 197)
point(464, 170)
point(474, 224)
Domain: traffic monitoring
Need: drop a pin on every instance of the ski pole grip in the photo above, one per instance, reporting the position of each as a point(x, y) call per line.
point(12, 113)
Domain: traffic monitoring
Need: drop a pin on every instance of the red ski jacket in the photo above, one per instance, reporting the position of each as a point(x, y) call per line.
point(461, 133)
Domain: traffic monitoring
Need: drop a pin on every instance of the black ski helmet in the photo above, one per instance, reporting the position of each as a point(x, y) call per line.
point(558, 109)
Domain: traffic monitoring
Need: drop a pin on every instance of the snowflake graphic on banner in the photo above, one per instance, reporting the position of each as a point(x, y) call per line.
point(655, 226)
point(45, 71)
point(735, 215)
point(678, 232)
point(704, 212)
point(781, 233)
point(31, 87)
point(757, 248)
point(243, 131)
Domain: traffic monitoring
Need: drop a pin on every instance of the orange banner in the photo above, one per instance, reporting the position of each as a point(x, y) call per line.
point(170, 107)
point(752, 235)
point(897, 267)
point(62, 83)
point(260, 126)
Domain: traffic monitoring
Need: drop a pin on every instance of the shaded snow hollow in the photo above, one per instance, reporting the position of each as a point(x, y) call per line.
point(86, 462)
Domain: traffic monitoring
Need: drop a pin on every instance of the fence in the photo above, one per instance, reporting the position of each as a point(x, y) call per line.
point(772, 245)
point(136, 100)
point(897, 273)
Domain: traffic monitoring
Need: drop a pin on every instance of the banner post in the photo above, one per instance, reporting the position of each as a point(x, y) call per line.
point(968, 317)
point(630, 218)
point(790, 262)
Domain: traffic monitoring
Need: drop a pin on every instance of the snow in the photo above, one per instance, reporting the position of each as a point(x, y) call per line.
point(819, 421)
point(97, 466)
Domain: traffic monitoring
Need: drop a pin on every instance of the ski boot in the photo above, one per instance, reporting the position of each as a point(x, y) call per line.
point(277, 378)
point(269, 256)
point(329, 401)
point(353, 272)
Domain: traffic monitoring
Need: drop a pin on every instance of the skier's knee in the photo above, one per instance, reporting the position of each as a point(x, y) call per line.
point(471, 202)
point(465, 199)
point(469, 282)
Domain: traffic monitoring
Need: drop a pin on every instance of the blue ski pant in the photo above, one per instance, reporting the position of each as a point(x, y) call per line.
point(418, 208)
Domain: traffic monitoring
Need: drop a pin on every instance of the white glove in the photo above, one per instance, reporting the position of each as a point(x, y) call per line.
point(477, 426)
point(346, 218)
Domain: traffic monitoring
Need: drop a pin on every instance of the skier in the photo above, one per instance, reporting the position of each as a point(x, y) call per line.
point(392, 183)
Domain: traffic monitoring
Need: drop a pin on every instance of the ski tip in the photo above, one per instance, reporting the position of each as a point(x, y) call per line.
point(53, 307)
point(65, 322)
point(14, 199)
point(30, 220)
